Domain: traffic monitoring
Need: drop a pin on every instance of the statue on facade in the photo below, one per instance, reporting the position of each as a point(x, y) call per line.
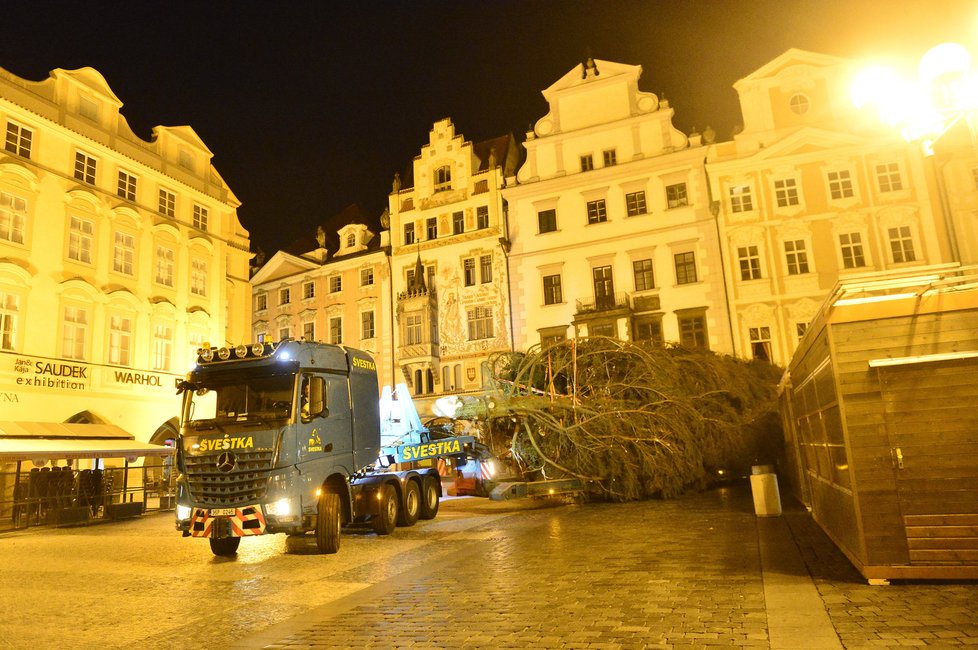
point(321, 237)
point(397, 182)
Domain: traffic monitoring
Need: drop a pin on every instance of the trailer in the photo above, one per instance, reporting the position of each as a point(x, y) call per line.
point(285, 438)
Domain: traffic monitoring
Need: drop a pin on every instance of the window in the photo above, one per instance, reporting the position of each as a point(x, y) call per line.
point(685, 267)
point(740, 199)
point(485, 268)
point(610, 158)
point(443, 178)
point(75, 327)
point(309, 331)
point(648, 329)
point(336, 330)
point(80, 238)
point(901, 244)
point(84, 168)
point(13, 218)
point(308, 290)
point(88, 108)
point(431, 228)
point(888, 177)
point(760, 342)
point(552, 294)
point(164, 266)
point(284, 296)
point(19, 140)
point(123, 253)
point(547, 220)
point(335, 283)
point(796, 256)
point(786, 192)
point(458, 223)
point(127, 186)
point(840, 184)
point(800, 329)
point(676, 195)
point(480, 323)
point(644, 279)
point(162, 346)
point(198, 277)
point(750, 262)
point(284, 333)
point(692, 330)
point(367, 325)
point(468, 271)
point(408, 233)
point(604, 287)
point(798, 104)
point(548, 340)
point(9, 310)
point(635, 203)
point(413, 329)
point(351, 240)
point(200, 217)
point(366, 277)
point(974, 177)
point(482, 217)
point(168, 202)
point(852, 250)
point(587, 163)
point(120, 340)
point(261, 302)
point(596, 211)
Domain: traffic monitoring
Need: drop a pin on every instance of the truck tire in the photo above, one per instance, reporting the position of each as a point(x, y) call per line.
point(224, 546)
point(429, 498)
point(408, 513)
point(386, 519)
point(328, 523)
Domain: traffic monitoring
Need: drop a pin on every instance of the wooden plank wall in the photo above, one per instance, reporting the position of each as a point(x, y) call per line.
point(870, 449)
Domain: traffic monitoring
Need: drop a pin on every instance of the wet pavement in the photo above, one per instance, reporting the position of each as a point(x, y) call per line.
point(697, 572)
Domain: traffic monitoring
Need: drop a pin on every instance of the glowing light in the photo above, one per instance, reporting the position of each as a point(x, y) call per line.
point(183, 512)
point(942, 60)
point(280, 508)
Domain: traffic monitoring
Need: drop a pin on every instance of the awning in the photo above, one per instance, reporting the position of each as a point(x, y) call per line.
point(47, 441)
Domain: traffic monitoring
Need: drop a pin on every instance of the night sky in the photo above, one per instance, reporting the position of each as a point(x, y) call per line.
point(309, 107)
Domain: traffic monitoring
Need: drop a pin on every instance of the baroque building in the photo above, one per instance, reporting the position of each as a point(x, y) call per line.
point(449, 248)
point(812, 192)
point(119, 257)
point(610, 221)
point(337, 291)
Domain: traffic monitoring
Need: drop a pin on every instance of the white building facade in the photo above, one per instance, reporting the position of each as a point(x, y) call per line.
point(610, 221)
point(118, 258)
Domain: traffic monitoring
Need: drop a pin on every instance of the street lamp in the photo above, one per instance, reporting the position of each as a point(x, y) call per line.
point(924, 109)
point(944, 94)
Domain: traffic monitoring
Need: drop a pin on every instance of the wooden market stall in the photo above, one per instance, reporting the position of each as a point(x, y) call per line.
point(880, 404)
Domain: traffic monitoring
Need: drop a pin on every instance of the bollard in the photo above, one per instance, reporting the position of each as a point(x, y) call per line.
point(764, 488)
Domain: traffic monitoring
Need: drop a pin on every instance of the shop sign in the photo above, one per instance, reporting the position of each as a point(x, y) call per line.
point(51, 374)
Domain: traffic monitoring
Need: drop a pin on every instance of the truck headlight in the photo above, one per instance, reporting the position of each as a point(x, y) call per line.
point(280, 508)
point(183, 512)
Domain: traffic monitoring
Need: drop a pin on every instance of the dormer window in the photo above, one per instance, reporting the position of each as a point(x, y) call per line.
point(443, 179)
point(351, 240)
point(186, 159)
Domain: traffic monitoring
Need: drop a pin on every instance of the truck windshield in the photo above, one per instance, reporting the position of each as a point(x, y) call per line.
point(241, 398)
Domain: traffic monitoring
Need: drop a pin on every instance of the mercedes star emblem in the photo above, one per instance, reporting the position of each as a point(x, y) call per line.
point(225, 462)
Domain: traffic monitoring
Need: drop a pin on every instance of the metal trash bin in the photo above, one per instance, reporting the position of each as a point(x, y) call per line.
point(764, 488)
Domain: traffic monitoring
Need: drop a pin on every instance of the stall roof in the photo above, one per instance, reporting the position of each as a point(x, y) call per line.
point(68, 441)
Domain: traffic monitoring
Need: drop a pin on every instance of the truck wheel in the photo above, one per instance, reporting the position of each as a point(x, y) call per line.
point(328, 523)
point(408, 515)
point(224, 546)
point(429, 498)
point(386, 519)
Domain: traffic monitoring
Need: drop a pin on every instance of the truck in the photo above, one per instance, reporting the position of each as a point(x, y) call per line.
point(284, 437)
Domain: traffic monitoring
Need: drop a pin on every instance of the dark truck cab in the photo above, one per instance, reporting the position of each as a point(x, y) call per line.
point(284, 438)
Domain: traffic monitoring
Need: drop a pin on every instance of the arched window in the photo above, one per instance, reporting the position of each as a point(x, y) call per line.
point(351, 240)
point(443, 179)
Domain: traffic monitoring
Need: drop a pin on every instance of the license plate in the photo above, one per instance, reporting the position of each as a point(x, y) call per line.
point(222, 512)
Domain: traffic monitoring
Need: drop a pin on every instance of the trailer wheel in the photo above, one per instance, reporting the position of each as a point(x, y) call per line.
point(408, 515)
point(386, 519)
point(429, 498)
point(224, 546)
point(328, 523)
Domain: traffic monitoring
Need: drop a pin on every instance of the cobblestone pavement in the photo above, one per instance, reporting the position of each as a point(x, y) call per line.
point(691, 573)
